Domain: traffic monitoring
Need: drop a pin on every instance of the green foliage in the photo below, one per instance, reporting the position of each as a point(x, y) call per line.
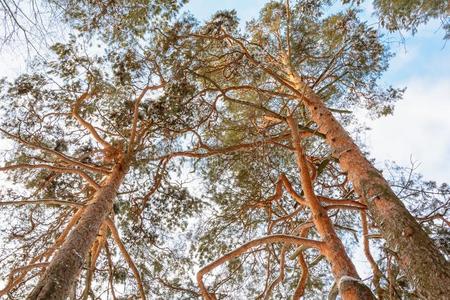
point(395, 15)
point(409, 14)
point(220, 89)
point(225, 20)
point(117, 20)
point(37, 110)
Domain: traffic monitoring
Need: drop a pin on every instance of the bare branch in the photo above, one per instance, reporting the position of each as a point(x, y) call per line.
point(137, 102)
point(342, 202)
point(373, 264)
point(69, 160)
point(42, 201)
point(63, 170)
point(127, 257)
point(339, 206)
point(276, 238)
point(300, 288)
point(280, 277)
point(92, 259)
point(110, 271)
point(84, 123)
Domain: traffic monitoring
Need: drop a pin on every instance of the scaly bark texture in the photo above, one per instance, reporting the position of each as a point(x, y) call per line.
point(351, 288)
point(341, 265)
point(424, 265)
point(61, 274)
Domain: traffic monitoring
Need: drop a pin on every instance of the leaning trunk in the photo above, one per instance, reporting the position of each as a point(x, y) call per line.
point(425, 266)
point(349, 284)
point(63, 270)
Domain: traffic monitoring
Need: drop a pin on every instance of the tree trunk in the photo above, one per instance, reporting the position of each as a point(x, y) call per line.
point(63, 270)
point(425, 266)
point(349, 284)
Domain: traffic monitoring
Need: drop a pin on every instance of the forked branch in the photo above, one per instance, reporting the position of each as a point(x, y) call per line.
point(84, 123)
point(137, 102)
point(276, 238)
point(283, 181)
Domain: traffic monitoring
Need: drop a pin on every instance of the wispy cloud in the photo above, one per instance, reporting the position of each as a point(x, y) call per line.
point(419, 128)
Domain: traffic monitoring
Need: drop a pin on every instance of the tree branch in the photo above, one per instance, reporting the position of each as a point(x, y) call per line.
point(283, 181)
point(280, 277)
point(63, 170)
point(300, 288)
point(110, 270)
point(342, 202)
point(157, 182)
point(373, 264)
point(64, 157)
point(42, 201)
point(225, 150)
point(127, 257)
point(13, 282)
point(137, 102)
point(276, 238)
point(84, 123)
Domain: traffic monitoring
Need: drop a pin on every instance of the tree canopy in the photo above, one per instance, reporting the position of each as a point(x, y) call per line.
point(154, 155)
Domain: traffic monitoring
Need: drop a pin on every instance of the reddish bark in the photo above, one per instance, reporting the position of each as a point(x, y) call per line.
point(61, 274)
point(334, 251)
point(424, 265)
point(300, 289)
point(351, 288)
point(276, 238)
point(373, 264)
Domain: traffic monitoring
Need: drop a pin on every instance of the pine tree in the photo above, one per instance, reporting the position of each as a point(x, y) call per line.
point(317, 61)
point(88, 131)
point(101, 137)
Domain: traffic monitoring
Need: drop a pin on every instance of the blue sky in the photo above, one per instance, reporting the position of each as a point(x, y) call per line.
point(246, 10)
point(420, 127)
point(419, 130)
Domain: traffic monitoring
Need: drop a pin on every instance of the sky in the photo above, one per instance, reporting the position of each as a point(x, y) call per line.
point(419, 130)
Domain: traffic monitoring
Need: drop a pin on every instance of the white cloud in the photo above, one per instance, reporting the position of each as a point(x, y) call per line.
point(419, 128)
point(12, 64)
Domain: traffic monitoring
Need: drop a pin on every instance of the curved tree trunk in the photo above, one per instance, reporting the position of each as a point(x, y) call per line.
point(426, 268)
point(61, 274)
point(349, 284)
